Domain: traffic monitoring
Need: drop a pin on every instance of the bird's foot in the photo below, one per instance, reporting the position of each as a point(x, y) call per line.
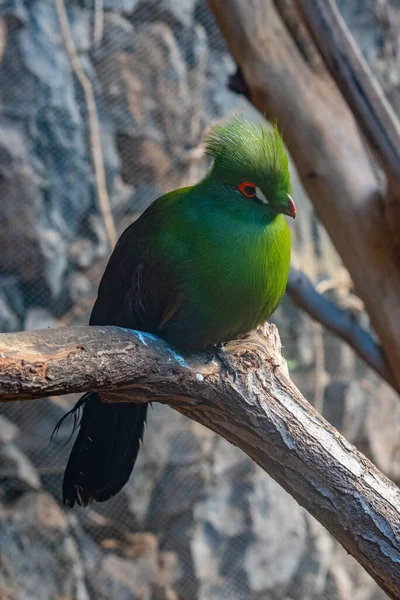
point(220, 354)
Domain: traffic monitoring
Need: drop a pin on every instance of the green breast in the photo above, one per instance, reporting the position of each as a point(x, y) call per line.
point(244, 282)
point(232, 270)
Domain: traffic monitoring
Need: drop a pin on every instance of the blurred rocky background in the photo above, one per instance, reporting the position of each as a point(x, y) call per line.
point(199, 520)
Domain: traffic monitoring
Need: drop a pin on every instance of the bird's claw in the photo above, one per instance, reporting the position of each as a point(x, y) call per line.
point(220, 354)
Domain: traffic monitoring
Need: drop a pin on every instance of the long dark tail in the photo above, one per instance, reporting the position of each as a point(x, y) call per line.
point(104, 451)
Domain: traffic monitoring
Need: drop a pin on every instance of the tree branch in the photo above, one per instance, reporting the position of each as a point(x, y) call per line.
point(355, 80)
point(3, 38)
point(340, 322)
point(98, 22)
point(262, 412)
point(329, 153)
point(363, 93)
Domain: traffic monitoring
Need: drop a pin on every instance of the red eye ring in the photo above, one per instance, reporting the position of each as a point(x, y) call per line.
point(248, 189)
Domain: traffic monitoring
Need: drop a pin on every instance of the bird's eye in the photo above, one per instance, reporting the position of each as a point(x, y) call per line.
point(248, 189)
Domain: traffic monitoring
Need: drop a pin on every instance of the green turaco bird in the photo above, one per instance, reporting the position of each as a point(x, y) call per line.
point(202, 265)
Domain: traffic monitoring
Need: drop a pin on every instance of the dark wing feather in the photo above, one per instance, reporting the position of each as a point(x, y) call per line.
point(133, 294)
point(124, 271)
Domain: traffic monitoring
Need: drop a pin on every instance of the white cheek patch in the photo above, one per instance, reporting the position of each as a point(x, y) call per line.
point(261, 196)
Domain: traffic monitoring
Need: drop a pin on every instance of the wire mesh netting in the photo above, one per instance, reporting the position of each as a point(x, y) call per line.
point(198, 520)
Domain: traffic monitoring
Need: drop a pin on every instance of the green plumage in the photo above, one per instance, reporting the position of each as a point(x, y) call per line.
point(228, 258)
point(250, 151)
point(212, 263)
point(202, 265)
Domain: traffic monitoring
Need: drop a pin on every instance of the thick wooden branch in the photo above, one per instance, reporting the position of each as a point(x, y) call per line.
point(262, 412)
point(363, 93)
point(355, 80)
point(359, 86)
point(340, 322)
point(330, 155)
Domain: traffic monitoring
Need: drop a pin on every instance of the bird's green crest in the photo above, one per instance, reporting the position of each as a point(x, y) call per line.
point(245, 151)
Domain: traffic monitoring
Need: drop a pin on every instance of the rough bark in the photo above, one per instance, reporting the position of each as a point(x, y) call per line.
point(363, 94)
point(262, 412)
point(330, 155)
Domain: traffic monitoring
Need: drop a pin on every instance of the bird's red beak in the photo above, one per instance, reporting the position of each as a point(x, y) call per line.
point(290, 208)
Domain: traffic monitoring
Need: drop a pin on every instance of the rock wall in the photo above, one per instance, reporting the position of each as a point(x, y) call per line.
point(198, 519)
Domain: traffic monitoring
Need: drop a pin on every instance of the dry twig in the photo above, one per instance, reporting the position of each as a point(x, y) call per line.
point(340, 322)
point(95, 139)
point(3, 37)
point(98, 22)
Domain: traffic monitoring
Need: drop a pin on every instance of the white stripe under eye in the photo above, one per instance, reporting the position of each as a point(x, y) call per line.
point(261, 196)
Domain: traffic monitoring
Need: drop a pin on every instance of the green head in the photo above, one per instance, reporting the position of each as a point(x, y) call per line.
point(252, 160)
